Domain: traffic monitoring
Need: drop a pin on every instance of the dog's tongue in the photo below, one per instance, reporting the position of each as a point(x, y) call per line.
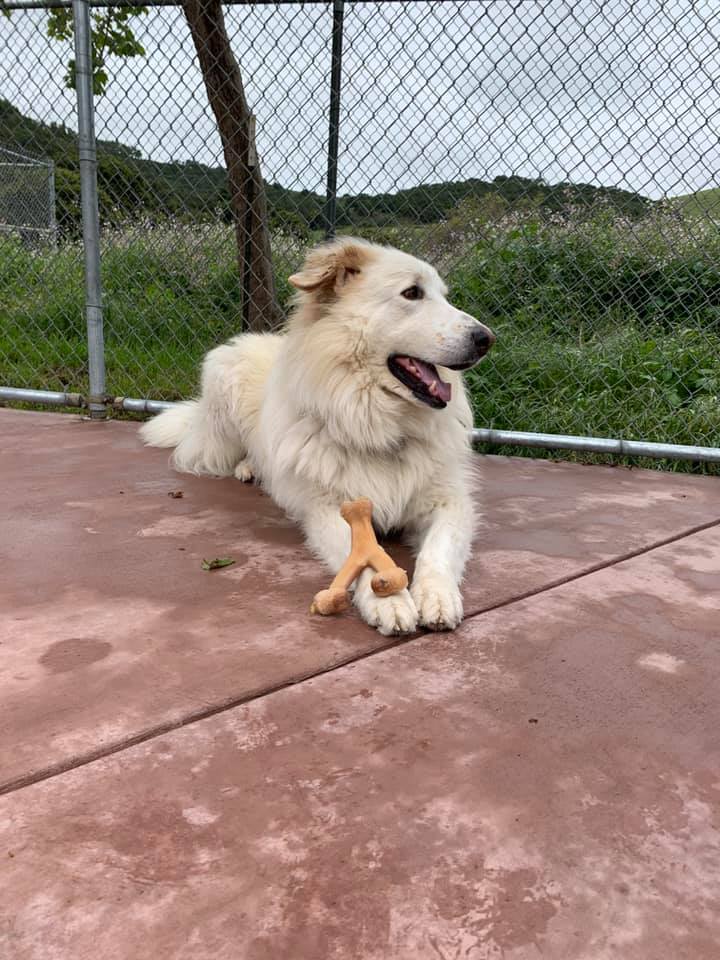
point(428, 375)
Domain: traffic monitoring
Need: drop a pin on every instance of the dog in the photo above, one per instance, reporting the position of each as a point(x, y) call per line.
point(360, 396)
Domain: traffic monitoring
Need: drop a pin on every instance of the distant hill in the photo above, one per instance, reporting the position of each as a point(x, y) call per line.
point(128, 184)
point(131, 186)
point(704, 203)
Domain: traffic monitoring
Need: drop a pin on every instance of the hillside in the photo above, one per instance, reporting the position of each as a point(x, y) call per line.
point(131, 186)
point(704, 203)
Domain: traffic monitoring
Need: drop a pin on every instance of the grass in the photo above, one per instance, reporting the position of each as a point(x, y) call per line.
point(704, 203)
point(170, 292)
point(605, 326)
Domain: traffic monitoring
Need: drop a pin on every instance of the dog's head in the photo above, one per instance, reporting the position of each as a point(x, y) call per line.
point(391, 309)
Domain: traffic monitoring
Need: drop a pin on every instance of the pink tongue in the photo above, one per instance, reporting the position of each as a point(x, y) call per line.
point(429, 376)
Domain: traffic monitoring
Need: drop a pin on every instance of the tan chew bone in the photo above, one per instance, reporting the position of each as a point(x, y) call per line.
point(365, 552)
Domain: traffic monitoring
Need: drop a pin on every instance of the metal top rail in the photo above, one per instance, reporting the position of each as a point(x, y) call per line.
point(26, 159)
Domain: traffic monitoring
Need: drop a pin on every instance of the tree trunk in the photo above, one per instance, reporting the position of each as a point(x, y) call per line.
point(226, 94)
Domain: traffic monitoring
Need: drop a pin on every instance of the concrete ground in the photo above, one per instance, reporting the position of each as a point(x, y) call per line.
point(193, 767)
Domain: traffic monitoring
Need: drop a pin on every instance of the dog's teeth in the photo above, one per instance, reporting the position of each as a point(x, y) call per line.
point(432, 389)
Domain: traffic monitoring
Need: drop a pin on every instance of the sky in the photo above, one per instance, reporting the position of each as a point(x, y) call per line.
point(616, 93)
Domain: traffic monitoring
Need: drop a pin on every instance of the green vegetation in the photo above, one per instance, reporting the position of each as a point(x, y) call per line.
point(170, 292)
point(704, 203)
point(599, 337)
point(110, 35)
point(129, 187)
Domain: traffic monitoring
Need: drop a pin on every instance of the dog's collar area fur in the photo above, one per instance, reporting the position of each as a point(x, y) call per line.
point(422, 379)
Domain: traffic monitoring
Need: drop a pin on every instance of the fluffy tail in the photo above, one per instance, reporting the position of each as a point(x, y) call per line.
point(204, 444)
point(169, 427)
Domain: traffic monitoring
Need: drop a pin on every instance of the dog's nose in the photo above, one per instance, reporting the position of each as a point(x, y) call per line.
point(482, 339)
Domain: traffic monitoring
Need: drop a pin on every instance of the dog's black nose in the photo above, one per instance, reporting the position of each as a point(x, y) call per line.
point(482, 339)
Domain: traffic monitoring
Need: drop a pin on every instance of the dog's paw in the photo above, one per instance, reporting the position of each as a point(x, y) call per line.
point(244, 471)
point(391, 615)
point(438, 602)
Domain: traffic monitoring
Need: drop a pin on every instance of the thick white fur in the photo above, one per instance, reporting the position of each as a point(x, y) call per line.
point(315, 415)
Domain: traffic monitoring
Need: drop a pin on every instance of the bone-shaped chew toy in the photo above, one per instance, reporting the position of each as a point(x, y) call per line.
point(365, 551)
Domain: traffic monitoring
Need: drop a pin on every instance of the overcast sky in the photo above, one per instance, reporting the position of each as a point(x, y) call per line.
point(616, 93)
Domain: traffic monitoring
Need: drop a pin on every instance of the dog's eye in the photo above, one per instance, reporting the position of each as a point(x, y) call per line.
point(413, 293)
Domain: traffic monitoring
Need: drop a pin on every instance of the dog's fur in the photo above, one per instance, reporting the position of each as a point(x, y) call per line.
point(317, 417)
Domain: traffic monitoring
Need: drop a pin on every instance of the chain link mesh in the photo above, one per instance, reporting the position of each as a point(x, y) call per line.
point(27, 196)
point(559, 162)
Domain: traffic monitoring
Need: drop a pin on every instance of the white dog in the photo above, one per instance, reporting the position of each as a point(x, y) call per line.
point(349, 402)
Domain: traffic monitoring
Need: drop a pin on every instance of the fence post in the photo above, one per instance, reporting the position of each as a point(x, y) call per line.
point(90, 210)
point(334, 132)
point(52, 201)
point(251, 163)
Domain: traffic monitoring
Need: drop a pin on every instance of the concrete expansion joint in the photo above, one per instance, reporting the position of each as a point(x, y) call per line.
point(594, 568)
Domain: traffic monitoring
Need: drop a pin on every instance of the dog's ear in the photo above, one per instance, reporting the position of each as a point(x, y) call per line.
point(332, 265)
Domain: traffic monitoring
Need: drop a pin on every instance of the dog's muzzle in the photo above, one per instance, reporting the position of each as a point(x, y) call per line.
point(481, 340)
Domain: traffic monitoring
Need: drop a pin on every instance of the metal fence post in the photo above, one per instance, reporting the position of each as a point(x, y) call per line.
point(90, 210)
point(247, 252)
point(51, 202)
point(334, 131)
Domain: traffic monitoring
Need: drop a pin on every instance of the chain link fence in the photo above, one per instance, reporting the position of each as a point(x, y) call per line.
point(559, 162)
point(27, 197)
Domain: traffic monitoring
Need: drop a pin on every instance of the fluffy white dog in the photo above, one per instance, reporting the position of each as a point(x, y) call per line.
point(349, 402)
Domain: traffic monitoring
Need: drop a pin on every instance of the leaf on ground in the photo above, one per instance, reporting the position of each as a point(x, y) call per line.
point(176, 494)
point(217, 563)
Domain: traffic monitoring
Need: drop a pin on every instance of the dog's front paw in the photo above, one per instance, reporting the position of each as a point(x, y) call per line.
point(391, 615)
point(244, 471)
point(438, 601)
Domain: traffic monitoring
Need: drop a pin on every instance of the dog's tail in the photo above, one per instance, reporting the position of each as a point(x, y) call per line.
point(170, 426)
point(203, 443)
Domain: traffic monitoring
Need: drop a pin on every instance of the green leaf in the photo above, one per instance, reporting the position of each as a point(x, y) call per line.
point(110, 36)
point(217, 563)
point(59, 24)
point(100, 80)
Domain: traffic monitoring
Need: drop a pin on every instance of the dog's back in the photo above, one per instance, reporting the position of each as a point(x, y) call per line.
point(210, 435)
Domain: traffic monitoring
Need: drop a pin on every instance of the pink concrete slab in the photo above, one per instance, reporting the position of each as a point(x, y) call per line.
point(112, 631)
point(545, 783)
point(545, 521)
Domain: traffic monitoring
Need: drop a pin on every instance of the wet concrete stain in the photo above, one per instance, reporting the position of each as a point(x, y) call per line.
point(74, 653)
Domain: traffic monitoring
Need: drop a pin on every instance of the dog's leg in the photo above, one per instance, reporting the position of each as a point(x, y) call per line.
point(443, 536)
point(328, 537)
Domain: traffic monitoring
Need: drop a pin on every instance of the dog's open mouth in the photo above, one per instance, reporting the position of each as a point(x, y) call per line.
point(422, 379)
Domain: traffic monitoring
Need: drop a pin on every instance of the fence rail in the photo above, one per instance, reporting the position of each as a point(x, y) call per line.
point(559, 162)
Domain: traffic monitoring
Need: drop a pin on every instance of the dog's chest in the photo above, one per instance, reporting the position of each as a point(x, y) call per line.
point(311, 461)
point(391, 480)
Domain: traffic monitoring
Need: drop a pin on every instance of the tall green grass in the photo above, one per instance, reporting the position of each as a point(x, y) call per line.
point(605, 326)
point(170, 292)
